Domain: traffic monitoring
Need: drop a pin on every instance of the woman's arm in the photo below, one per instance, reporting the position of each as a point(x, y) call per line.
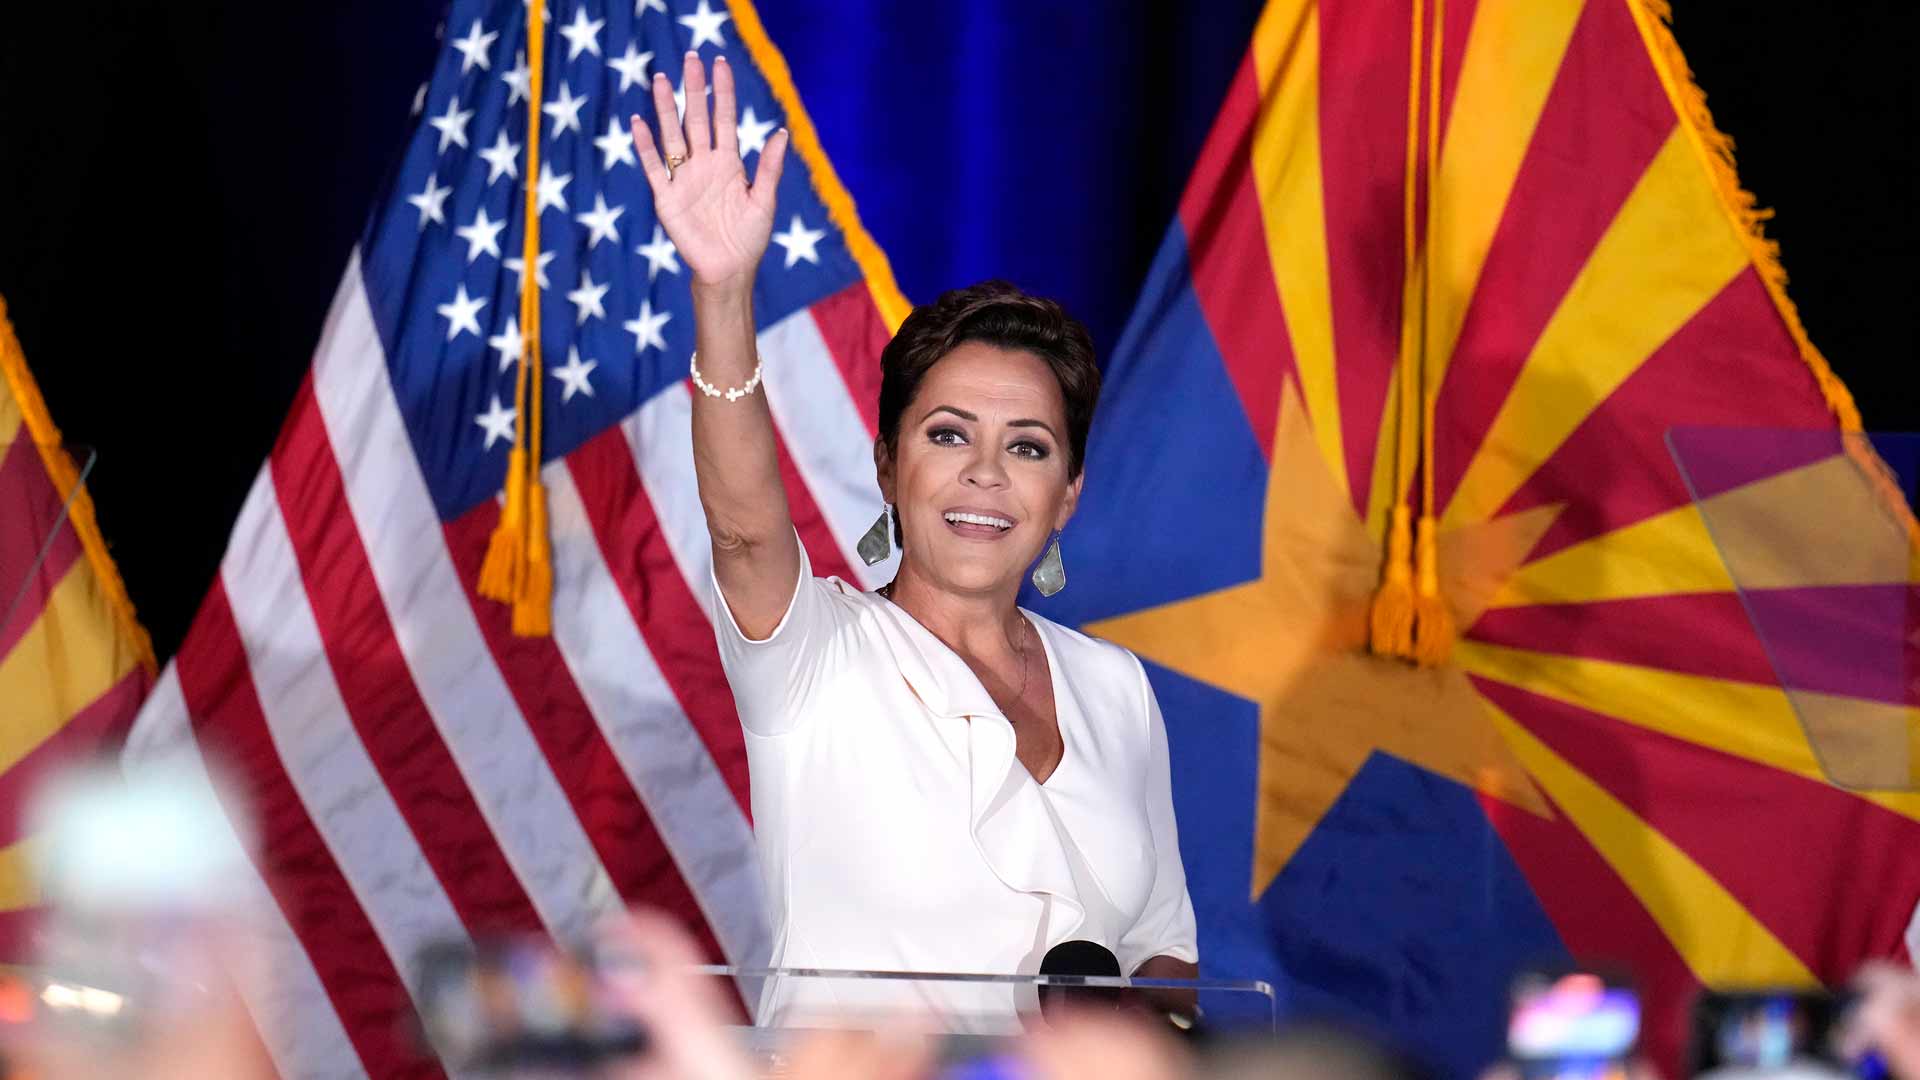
point(1168, 967)
point(1179, 1002)
point(720, 226)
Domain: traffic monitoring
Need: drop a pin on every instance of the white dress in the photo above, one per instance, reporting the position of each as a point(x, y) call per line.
point(898, 831)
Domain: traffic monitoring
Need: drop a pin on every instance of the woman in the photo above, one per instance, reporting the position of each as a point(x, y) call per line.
point(941, 781)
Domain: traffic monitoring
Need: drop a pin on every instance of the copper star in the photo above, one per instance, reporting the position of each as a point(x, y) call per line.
point(1294, 643)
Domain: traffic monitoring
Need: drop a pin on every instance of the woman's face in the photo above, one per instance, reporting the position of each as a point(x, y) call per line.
point(979, 472)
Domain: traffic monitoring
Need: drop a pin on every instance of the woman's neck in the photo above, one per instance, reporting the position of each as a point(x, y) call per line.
point(978, 625)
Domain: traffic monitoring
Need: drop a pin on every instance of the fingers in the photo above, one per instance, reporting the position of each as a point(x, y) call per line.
point(766, 178)
point(860, 1055)
point(1096, 1046)
point(686, 1013)
point(650, 163)
point(726, 126)
point(693, 85)
point(673, 142)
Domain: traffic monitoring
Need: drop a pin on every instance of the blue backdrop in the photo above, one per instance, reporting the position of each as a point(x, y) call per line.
point(1044, 141)
point(239, 144)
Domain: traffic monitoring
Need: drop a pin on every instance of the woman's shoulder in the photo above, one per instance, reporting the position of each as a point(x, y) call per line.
point(847, 595)
point(1093, 658)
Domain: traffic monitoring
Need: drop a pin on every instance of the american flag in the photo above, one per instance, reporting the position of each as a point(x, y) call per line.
point(419, 772)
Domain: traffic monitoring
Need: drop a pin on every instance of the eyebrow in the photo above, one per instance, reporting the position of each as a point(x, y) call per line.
point(965, 415)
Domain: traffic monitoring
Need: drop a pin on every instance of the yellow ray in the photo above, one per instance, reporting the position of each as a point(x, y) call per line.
point(1512, 58)
point(1382, 489)
point(1286, 168)
point(69, 656)
point(1751, 720)
point(9, 418)
point(1862, 744)
point(1819, 524)
point(1667, 253)
point(1754, 721)
point(1662, 555)
point(1718, 938)
point(19, 885)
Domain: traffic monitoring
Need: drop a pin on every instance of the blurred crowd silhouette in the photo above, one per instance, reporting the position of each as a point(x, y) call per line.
point(142, 952)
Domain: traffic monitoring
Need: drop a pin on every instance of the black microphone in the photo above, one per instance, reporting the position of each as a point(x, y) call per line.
point(1078, 957)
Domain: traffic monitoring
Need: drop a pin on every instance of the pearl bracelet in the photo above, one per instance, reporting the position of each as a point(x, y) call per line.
point(712, 391)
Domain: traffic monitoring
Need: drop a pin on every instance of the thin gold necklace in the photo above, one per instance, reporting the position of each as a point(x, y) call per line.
point(1018, 695)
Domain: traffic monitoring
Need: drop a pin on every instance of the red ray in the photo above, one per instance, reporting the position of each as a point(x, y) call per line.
point(1453, 50)
point(1228, 259)
point(34, 507)
point(1363, 145)
point(1654, 631)
point(1604, 120)
point(99, 725)
point(1731, 364)
point(1601, 921)
point(1857, 640)
point(1831, 875)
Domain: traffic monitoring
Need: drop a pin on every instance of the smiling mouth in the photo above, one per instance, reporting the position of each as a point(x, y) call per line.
point(977, 526)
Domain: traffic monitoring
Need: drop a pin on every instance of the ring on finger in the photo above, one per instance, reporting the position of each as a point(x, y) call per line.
point(674, 161)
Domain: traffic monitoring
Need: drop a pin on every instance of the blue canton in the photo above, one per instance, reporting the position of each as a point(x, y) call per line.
point(440, 256)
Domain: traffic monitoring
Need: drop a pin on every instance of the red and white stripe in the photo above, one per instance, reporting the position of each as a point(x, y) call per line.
point(419, 773)
point(293, 1003)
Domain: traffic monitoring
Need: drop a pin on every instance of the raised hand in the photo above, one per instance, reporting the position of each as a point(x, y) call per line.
point(718, 222)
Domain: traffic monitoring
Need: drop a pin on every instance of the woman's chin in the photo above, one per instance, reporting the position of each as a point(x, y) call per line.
point(965, 569)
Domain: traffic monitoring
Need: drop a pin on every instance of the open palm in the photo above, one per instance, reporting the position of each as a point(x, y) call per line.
point(717, 221)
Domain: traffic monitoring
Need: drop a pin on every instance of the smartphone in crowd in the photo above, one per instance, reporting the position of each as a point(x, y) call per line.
point(137, 925)
point(521, 1002)
point(1787, 1032)
point(1572, 1025)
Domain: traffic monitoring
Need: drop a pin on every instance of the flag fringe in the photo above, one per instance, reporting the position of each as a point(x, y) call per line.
point(60, 467)
point(1654, 19)
point(872, 261)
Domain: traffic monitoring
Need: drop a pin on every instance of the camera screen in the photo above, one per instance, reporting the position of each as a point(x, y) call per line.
point(1573, 1025)
point(520, 1001)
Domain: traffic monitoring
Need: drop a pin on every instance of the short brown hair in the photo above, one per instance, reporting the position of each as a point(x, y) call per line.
point(996, 313)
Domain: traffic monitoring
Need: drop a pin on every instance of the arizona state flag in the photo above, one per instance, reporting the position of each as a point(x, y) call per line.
point(1478, 261)
point(74, 662)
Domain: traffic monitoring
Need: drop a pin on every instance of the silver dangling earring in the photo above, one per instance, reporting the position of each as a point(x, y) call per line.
point(1051, 575)
point(877, 544)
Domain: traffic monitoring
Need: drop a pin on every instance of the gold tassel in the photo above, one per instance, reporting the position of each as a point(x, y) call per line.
point(1391, 621)
point(532, 612)
point(505, 565)
point(1432, 623)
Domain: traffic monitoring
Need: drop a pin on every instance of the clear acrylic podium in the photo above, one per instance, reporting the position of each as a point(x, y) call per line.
point(976, 1011)
point(1815, 531)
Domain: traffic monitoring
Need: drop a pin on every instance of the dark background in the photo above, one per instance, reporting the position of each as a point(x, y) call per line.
point(180, 185)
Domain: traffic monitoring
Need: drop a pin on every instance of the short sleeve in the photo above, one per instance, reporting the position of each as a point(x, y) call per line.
point(774, 679)
point(1166, 926)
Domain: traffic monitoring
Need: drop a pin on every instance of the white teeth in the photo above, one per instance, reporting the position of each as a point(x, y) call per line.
point(960, 518)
